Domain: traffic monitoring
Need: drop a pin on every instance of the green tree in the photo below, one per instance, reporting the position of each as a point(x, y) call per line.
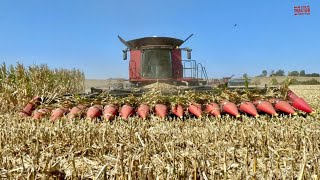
point(264, 73)
point(279, 72)
point(315, 75)
point(302, 73)
point(293, 73)
point(271, 73)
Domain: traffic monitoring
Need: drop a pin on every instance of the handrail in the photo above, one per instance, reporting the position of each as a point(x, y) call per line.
point(203, 74)
point(197, 71)
point(192, 67)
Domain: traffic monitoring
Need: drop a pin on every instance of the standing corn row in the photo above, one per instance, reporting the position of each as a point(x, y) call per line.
point(19, 84)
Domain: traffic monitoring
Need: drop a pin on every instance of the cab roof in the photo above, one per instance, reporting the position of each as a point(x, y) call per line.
point(156, 41)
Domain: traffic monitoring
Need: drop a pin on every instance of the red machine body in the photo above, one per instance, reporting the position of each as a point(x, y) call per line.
point(159, 59)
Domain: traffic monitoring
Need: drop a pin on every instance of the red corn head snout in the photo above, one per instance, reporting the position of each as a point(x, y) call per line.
point(177, 110)
point(40, 113)
point(302, 105)
point(109, 112)
point(143, 111)
point(230, 108)
point(266, 107)
point(284, 106)
point(74, 112)
point(291, 95)
point(213, 109)
point(248, 108)
point(161, 110)
point(299, 103)
point(126, 111)
point(30, 106)
point(57, 113)
point(94, 111)
point(195, 109)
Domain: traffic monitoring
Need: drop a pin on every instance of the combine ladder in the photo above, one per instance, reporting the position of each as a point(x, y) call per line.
point(194, 70)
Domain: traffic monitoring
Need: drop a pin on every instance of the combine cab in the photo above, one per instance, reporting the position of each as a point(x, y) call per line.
point(159, 59)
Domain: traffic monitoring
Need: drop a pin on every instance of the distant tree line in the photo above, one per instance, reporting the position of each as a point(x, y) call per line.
point(274, 81)
point(281, 72)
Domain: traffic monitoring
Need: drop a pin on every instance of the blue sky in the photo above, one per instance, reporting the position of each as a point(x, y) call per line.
point(83, 34)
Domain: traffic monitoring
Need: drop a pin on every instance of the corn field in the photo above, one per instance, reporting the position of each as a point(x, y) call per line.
point(19, 83)
point(283, 147)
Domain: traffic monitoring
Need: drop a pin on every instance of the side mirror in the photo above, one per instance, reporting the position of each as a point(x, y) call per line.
point(189, 54)
point(124, 56)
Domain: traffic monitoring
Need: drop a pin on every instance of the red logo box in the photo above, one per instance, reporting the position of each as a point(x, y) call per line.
point(301, 10)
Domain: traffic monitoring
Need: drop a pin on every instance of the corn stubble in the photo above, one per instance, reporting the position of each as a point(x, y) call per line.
point(210, 148)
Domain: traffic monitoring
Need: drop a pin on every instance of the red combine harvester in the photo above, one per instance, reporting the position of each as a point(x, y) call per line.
point(159, 59)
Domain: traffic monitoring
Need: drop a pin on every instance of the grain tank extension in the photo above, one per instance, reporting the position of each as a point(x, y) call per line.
point(159, 59)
